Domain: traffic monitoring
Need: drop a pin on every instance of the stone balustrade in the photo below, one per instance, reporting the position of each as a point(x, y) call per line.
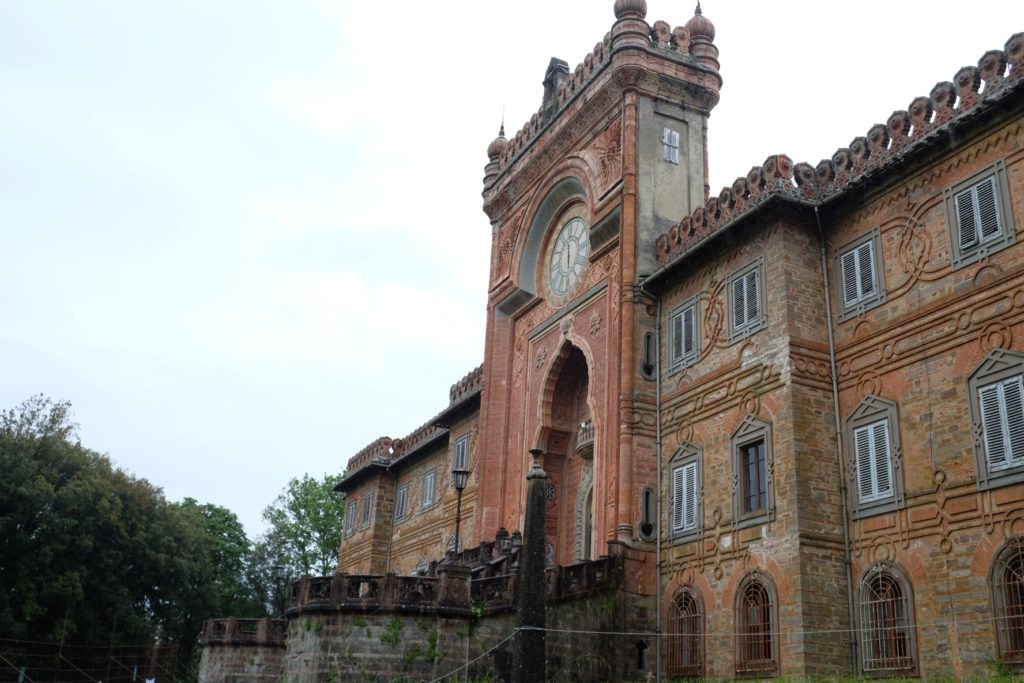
point(452, 591)
point(265, 632)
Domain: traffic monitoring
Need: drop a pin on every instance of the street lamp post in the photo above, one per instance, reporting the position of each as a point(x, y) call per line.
point(460, 477)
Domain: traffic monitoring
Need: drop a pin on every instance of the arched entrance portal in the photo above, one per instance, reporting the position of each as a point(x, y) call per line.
point(568, 460)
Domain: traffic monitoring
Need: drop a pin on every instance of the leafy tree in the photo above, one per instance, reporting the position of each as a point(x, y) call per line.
point(306, 521)
point(90, 554)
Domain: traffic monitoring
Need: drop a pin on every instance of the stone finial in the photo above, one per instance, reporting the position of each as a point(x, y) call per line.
point(556, 76)
point(991, 68)
point(630, 8)
point(943, 97)
point(498, 145)
point(700, 26)
point(898, 127)
point(1014, 50)
point(878, 140)
point(968, 83)
point(920, 111)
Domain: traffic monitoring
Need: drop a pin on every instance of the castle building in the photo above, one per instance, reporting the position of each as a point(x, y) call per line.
point(791, 414)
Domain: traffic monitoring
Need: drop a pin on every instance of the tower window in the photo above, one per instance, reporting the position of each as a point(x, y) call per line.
point(670, 145)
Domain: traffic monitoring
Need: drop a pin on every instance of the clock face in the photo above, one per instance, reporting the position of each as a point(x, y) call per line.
point(569, 257)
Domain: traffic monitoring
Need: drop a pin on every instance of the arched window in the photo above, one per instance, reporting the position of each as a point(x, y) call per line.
point(756, 646)
point(886, 621)
point(1008, 600)
point(686, 629)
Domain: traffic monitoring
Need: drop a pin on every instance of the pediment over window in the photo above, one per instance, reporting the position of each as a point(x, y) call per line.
point(999, 362)
point(750, 426)
point(871, 406)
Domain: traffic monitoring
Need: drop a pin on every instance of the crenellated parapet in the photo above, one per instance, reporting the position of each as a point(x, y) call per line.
point(467, 386)
point(692, 44)
point(973, 91)
point(264, 632)
point(590, 65)
point(420, 436)
point(380, 451)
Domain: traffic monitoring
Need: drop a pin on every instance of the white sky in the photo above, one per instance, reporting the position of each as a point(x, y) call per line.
point(245, 238)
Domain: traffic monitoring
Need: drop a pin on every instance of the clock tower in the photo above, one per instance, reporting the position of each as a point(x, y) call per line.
point(614, 155)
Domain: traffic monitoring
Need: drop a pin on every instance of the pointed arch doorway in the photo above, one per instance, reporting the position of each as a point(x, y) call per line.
point(568, 442)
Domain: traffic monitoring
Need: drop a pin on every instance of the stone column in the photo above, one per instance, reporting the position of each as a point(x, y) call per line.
point(529, 662)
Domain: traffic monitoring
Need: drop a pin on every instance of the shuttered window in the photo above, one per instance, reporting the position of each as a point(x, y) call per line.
point(401, 501)
point(364, 519)
point(1002, 418)
point(745, 301)
point(858, 274)
point(461, 460)
point(977, 214)
point(670, 145)
point(683, 335)
point(429, 480)
point(874, 461)
point(684, 497)
point(350, 518)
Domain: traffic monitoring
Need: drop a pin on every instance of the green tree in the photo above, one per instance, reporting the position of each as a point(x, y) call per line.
point(305, 521)
point(229, 555)
point(92, 555)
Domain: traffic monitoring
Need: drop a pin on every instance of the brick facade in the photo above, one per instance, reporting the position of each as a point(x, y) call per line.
point(774, 394)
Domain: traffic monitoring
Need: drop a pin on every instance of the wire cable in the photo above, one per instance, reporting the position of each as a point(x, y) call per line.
point(477, 659)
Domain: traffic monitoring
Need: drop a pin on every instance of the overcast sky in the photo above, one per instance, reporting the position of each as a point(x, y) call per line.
point(244, 238)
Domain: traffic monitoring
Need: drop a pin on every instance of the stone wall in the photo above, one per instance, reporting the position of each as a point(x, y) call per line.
point(381, 646)
point(242, 651)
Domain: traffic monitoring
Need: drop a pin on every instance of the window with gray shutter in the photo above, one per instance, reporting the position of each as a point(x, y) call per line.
point(1002, 419)
point(683, 335)
point(858, 276)
point(364, 518)
point(859, 285)
point(746, 300)
point(684, 497)
point(685, 494)
point(350, 518)
point(401, 501)
point(461, 459)
point(874, 464)
point(996, 391)
point(978, 215)
point(429, 482)
point(875, 459)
